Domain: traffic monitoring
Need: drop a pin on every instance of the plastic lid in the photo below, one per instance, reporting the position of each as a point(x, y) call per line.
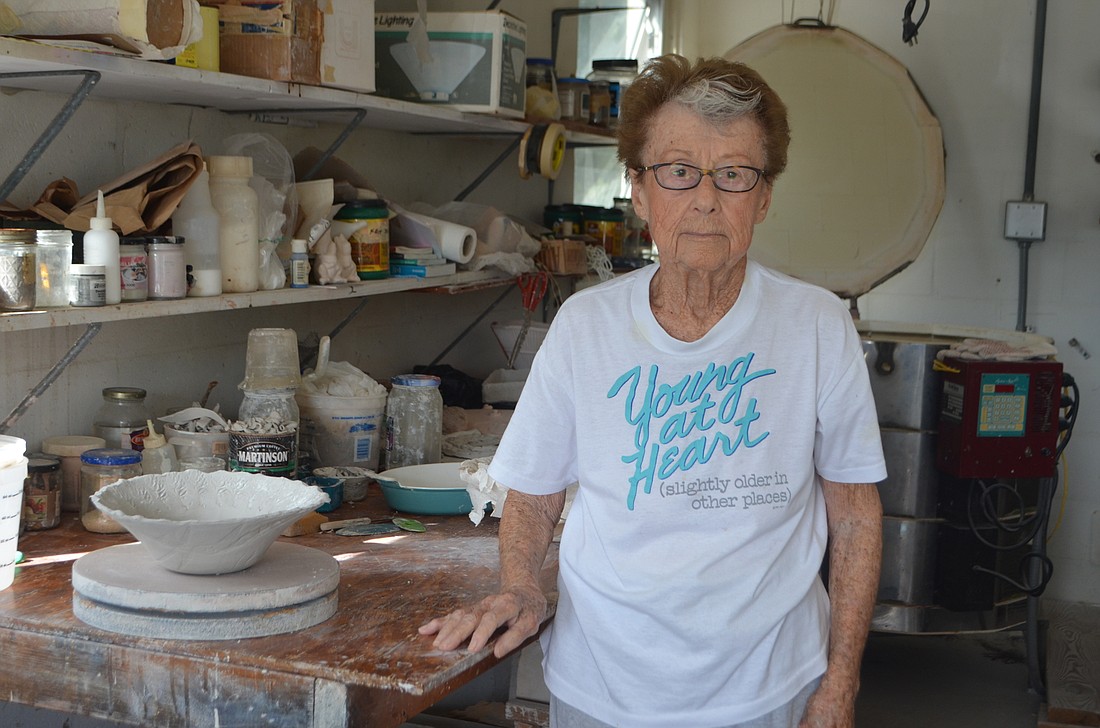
point(616, 64)
point(415, 380)
point(375, 207)
point(297, 245)
point(154, 438)
point(230, 166)
point(110, 456)
point(100, 221)
point(71, 445)
point(87, 270)
point(539, 62)
point(127, 393)
point(166, 240)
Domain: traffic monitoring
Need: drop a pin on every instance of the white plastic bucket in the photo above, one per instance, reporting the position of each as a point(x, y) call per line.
point(342, 430)
point(12, 477)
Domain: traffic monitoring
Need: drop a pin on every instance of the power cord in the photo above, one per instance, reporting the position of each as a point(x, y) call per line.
point(909, 28)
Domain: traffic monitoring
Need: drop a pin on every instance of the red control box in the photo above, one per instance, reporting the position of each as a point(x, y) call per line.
point(999, 419)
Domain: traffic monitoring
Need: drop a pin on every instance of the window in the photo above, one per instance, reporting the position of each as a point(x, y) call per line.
point(633, 33)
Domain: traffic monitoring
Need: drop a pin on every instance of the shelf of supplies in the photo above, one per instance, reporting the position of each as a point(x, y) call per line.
point(50, 318)
point(130, 79)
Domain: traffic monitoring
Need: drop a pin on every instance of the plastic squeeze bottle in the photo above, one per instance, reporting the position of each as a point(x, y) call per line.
point(101, 248)
point(196, 220)
point(239, 231)
point(158, 456)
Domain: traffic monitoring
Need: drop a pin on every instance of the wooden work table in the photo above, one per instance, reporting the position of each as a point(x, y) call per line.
point(365, 666)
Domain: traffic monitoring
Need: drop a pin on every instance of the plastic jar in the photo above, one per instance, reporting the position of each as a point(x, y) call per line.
point(619, 74)
point(133, 268)
point(573, 98)
point(87, 285)
point(264, 438)
point(121, 418)
point(606, 227)
point(366, 225)
point(99, 468)
point(167, 268)
point(599, 103)
point(42, 492)
point(18, 269)
point(69, 448)
point(54, 256)
point(414, 421)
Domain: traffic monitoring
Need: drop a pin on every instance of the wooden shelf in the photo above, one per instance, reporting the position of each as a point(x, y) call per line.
point(50, 318)
point(129, 79)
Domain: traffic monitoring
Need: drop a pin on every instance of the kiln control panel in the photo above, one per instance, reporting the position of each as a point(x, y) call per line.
point(999, 419)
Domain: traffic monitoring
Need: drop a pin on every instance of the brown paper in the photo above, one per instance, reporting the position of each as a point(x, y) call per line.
point(140, 201)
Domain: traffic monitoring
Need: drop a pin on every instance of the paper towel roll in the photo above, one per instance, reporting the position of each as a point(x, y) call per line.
point(456, 242)
point(452, 241)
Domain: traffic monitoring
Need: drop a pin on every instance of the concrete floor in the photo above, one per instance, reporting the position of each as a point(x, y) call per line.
point(956, 681)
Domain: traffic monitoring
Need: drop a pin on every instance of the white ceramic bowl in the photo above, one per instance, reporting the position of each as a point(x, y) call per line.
point(207, 523)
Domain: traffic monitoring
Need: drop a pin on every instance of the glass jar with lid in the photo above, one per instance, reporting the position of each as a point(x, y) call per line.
point(42, 492)
point(133, 266)
point(414, 421)
point(121, 418)
point(366, 225)
point(18, 269)
point(619, 73)
point(53, 258)
point(99, 468)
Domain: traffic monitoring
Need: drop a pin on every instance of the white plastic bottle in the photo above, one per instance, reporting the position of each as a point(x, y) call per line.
point(239, 229)
point(101, 248)
point(197, 222)
point(158, 456)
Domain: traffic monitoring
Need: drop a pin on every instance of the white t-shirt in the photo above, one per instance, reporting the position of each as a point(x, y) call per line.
point(689, 588)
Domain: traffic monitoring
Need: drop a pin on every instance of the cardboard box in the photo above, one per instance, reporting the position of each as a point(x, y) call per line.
point(477, 62)
point(280, 41)
point(347, 53)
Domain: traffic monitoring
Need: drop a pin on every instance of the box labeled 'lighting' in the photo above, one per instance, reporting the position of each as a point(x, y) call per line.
point(474, 61)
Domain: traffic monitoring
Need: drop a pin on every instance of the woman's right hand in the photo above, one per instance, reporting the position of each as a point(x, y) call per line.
point(519, 609)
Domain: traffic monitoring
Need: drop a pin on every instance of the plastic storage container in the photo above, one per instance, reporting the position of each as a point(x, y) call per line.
point(414, 421)
point(99, 468)
point(121, 418)
point(238, 222)
point(573, 99)
point(167, 267)
point(54, 256)
point(87, 285)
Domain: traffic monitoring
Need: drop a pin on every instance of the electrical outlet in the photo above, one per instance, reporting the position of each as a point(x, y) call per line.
point(1026, 221)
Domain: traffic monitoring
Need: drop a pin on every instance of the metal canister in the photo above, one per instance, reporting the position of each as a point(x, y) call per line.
point(18, 269)
point(366, 225)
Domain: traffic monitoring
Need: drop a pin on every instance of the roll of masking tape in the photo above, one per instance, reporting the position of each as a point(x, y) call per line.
point(542, 150)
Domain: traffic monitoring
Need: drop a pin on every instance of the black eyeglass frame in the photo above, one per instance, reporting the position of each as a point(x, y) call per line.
point(760, 174)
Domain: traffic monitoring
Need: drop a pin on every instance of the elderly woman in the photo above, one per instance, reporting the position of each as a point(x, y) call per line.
point(718, 420)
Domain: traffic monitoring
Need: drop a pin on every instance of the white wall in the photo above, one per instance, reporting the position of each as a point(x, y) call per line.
point(973, 64)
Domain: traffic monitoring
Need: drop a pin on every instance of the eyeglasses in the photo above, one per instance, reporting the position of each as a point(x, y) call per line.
point(678, 176)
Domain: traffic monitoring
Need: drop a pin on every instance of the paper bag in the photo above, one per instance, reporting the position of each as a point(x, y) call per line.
point(139, 202)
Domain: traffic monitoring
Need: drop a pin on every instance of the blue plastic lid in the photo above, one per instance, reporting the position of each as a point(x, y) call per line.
point(415, 380)
point(110, 456)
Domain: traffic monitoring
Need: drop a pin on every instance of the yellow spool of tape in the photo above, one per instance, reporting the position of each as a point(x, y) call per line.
point(542, 151)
